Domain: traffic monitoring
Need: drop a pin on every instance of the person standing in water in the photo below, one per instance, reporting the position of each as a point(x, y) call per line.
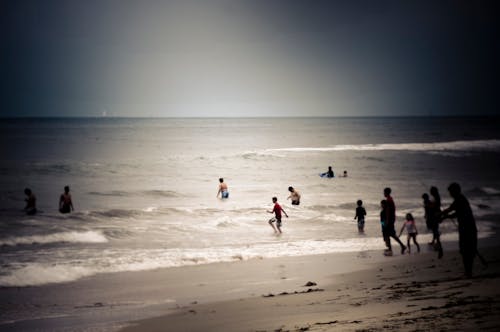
point(360, 215)
point(277, 209)
point(294, 196)
point(30, 202)
point(65, 202)
point(223, 191)
point(329, 173)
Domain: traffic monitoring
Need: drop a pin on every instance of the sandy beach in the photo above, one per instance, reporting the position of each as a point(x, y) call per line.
point(362, 291)
point(414, 292)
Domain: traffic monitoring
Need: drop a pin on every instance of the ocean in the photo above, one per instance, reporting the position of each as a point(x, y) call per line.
point(144, 190)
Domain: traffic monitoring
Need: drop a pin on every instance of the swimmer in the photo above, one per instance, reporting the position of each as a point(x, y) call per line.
point(223, 191)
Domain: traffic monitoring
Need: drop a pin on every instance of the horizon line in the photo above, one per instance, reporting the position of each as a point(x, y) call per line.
point(246, 117)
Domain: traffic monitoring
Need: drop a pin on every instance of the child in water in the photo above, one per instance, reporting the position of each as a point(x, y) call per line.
point(411, 228)
point(277, 209)
point(360, 215)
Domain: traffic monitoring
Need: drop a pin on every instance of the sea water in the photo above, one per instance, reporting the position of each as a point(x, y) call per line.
point(144, 190)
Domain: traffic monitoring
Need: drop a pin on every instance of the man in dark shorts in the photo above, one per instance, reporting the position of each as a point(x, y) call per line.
point(294, 196)
point(277, 216)
point(391, 220)
point(467, 230)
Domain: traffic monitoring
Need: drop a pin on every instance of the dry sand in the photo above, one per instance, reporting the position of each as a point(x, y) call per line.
point(414, 292)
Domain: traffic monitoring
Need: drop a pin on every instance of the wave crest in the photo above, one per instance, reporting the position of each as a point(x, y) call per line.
point(477, 145)
point(72, 237)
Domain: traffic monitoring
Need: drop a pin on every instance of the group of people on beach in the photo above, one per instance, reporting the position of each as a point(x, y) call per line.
point(434, 216)
point(65, 202)
point(459, 209)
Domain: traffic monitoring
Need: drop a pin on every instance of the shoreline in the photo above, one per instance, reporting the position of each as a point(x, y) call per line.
point(109, 301)
point(233, 293)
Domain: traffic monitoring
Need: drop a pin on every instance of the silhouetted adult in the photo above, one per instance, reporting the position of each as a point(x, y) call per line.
point(467, 231)
point(435, 213)
point(329, 173)
point(391, 220)
point(427, 211)
point(65, 201)
point(30, 207)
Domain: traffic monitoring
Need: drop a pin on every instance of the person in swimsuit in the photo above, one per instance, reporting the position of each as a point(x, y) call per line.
point(30, 202)
point(294, 196)
point(277, 209)
point(65, 202)
point(223, 191)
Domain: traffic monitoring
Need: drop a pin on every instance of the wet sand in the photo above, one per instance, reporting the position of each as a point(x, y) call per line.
point(362, 291)
point(402, 293)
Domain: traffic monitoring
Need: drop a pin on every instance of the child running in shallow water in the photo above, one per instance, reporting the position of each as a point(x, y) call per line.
point(277, 209)
point(411, 228)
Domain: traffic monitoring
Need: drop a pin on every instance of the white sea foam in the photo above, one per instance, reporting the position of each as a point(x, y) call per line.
point(39, 274)
point(32, 274)
point(150, 209)
point(73, 237)
point(490, 191)
point(123, 260)
point(477, 145)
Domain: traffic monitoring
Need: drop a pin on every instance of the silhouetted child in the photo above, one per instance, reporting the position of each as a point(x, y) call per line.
point(277, 209)
point(360, 215)
point(411, 228)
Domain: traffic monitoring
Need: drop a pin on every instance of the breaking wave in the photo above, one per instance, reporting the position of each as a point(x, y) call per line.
point(71, 237)
point(477, 145)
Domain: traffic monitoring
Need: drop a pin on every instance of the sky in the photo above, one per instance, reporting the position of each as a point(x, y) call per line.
point(218, 58)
